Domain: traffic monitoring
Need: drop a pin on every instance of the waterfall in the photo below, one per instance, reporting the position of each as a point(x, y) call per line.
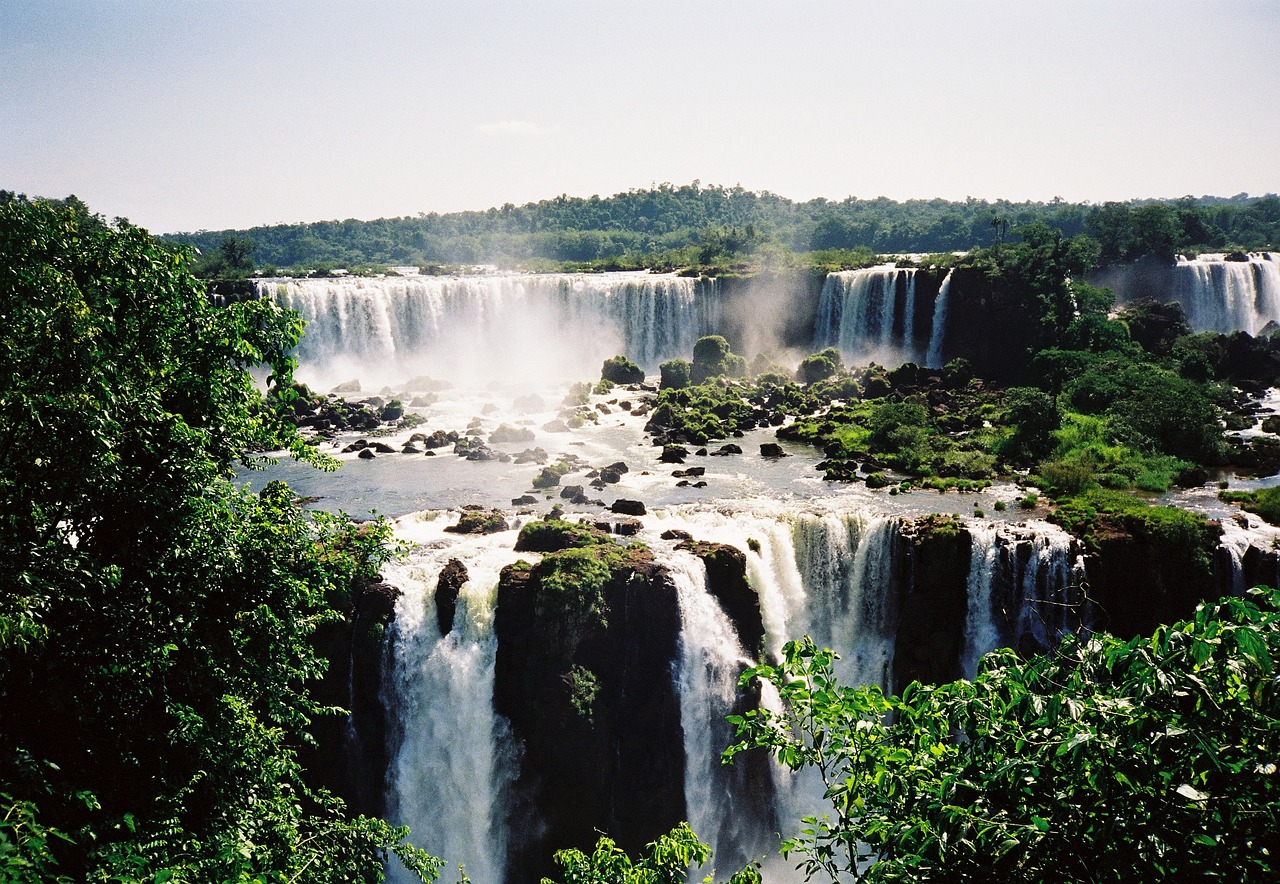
point(847, 566)
point(981, 629)
point(717, 796)
point(1225, 296)
point(451, 759)
point(870, 314)
point(536, 327)
point(933, 359)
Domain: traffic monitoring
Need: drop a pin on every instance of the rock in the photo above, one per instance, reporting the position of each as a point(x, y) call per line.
point(571, 491)
point(474, 522)
point(725, 450)
point(383, 448)
point(410, 448)
point(701, 452)
point(417, 437)
point(610, 476)
point(366, 454)
point(532, 455)
point(627, 527)
point(772, 449)
point(452, 578)
point(727, 581)
point(423, 401)
point(548, 478)
point(426, 384)
point(628, 507)
point(673, 454)
point(555, 426)
point(692, 472)
point(351, 386)
point(620, 467)
point(440, 439)
point(488, 408)
point(1271, 424)
point(429, 453)
point(683, 483)
point(699, 484)
point(507, 433)
point(524, 500)
point(676, 534)
point(358, 445)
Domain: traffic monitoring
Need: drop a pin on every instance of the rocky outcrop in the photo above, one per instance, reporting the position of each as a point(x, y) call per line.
point(933, 598)
point(452, 578)
point(587, 640)
point(350, 755)
point(727, 582)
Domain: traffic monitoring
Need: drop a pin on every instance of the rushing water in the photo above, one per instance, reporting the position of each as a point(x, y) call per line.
point(1226, 296)
point(869, 315)
point(500, 327)
point(830, 560)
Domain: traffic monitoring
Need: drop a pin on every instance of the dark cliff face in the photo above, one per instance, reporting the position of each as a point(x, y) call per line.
point(933, 600)
point(986, 326)
point(350, 758)
point(584, 676)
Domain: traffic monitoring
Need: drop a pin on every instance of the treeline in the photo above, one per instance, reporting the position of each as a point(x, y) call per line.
point(692, 225)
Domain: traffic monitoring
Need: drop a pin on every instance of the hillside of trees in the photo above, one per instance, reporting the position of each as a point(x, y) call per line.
point(693, 225)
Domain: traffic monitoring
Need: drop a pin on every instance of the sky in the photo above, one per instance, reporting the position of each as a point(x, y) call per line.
point(185, 115)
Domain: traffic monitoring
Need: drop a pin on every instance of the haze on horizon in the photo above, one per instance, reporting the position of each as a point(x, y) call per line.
point(233, 113)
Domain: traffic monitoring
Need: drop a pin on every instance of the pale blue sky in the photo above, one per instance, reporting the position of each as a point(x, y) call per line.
point(229, 113)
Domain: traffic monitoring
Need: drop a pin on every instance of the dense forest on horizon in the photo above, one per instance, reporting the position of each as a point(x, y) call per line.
point(694, 225)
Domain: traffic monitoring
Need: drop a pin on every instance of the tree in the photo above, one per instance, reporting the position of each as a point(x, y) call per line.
point(1150, 760)
point(668, 862)
point(156, 620)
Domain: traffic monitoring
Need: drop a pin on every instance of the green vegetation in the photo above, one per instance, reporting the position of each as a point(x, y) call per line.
point(621, 370)
point(667, 862)
point(156, 622)
point(728, 230)
point(1265, 502)
point(1147, 760)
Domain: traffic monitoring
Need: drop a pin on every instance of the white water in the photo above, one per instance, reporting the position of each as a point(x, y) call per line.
point(858, 312)
point(933, 358)
point(711, 660)
point(981, 629)
point(451, 757)
point(1227, 296)
point(538, 328)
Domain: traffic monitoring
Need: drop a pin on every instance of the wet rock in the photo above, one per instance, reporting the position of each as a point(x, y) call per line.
point(452, 578)
point(366, 454)
point(507, 433)
point(351, 386)
point(628, 507)
point(725, 450)
point(627, 527)
point(618, 467)
point(555, 426)
point(676, 534)
point(410, 448)
point(701, 452)
point(524, 500)
point(474, 522)
point(383, 448)
point(423, 401)
point(532, 455)
point(692, 472)
point(358, 445)
point(673, 454)
point(772, 450)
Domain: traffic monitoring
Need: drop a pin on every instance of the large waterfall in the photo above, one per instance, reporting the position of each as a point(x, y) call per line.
point(1220, 295)
point(535, 327)
point(871, 314)
point(842, 577)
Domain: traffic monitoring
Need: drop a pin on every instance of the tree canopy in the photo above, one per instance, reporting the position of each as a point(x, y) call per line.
point(155, 620)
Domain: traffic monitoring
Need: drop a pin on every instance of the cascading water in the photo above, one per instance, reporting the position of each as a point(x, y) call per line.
point(981, 629)
point(858, 313)
point(1225, 296)
point(494, 327)
point(933, 357)
point(711, 661)
point(451, 757)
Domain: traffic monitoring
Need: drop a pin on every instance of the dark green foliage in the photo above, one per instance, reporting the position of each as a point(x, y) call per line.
point(550, 535)
point(820, 366)
point(675, 373)
point(1034, 416)
point(156, 622)
point(621, 370)
point(1265, 502)
point(712, 358)
point(668, 861)
point(670, 226)
point(1145, 760)
point(479, 522)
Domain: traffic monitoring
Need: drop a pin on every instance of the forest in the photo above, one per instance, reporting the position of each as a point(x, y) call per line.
point(163, 629)
point(707, 226)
